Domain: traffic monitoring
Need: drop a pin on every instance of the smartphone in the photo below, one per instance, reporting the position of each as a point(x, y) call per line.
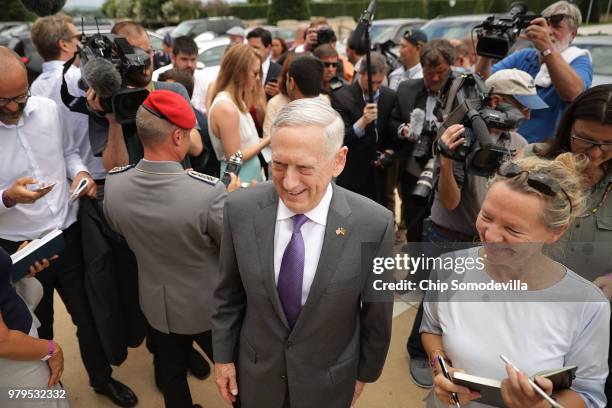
point(44, 187)
point(77, 191)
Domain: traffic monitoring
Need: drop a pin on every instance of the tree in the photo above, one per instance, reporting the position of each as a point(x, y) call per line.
point(288, 9)
point(13, 10)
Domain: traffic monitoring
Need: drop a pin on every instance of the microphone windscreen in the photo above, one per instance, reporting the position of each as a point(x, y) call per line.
point(44, 8)
point(102, 76)
point(417, 120)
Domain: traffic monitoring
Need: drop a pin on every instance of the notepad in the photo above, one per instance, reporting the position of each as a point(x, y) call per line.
point(490, 390)
point(45, 247)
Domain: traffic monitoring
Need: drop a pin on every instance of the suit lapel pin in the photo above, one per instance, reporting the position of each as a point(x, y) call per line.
point(340, 231)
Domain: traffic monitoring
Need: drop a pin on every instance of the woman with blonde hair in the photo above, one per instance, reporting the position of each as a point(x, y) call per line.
point(558, 319)
point(231, 127)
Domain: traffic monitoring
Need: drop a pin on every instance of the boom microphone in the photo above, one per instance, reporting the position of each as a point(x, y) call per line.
point(102, 76)
point(417, 120)
point(43, 8)
point(357, 38)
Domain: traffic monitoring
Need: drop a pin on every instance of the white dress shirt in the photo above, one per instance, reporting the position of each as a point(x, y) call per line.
point(36, 147)
point(200, 86)
point(402, 74)
point(313, 232)
point(265, 67)
point(48, 84)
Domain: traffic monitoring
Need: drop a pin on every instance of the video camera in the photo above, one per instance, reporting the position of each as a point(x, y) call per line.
point(497, 34)
point(466, 99)
point(114, 70)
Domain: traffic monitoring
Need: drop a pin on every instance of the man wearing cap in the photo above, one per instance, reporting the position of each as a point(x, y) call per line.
point(172, 220)
point(459, 194)
point(561, 71)
point(410, 49)
point(236, 35)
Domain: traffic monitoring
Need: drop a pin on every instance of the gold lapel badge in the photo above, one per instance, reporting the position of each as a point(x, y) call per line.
point(340, 231)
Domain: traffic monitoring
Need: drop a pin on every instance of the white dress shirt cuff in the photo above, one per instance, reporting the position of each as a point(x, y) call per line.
point(359, 132)
point(75, 169)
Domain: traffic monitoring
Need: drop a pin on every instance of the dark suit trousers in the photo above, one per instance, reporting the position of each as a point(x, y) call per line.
point(66, 276)
point(415, 210)
point(172, 356)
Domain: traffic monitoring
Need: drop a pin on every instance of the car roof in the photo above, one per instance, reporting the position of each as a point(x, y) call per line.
point(205, 45)
point(593, 39)
point(393, 21)
point(199, 20)
point(468, 17)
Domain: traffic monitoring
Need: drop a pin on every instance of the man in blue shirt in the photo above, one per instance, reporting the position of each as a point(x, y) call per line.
point(561, 72)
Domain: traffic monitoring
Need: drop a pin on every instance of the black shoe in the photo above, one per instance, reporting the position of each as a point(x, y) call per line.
point(119, 393)
point(198, 365)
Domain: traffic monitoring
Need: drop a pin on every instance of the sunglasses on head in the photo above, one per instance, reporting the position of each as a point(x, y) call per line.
point(540, 182)
point(556, 19)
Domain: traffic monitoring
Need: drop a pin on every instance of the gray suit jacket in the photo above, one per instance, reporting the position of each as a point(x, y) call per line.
point(336, 340)
point(173, 223)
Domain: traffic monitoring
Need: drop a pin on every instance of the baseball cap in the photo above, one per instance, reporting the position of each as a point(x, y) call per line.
point(236, 30)
point(518, 84)
point(170, 106)
point(416, 37)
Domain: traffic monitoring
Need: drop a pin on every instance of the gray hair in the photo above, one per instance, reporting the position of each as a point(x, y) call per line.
point(313, 112)
point(152, 129)
point(574, 16)
point(377, 62)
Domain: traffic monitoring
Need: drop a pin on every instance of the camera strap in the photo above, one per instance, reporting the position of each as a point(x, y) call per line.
point(74, 103)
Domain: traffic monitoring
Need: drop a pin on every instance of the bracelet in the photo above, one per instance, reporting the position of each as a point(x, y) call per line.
point(51, 351)
point(7, 201)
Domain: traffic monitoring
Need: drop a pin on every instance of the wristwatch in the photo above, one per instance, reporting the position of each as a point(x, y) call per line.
point(51, 351)
point(547, 52)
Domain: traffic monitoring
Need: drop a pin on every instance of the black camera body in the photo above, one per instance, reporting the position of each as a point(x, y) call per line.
point(466, 99)
point(497, 34)
point(130, 64)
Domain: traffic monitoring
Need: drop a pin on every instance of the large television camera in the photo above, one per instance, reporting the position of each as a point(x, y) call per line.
point(466, 98)
point(115, 71)
point(497, 34)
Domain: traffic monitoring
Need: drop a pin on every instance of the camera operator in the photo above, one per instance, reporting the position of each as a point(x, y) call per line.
point(311, 37)
point(410, 49)
point(177, 232)
point(459, 194)
point(56, 40)
point(118, 143)
point(561, 71)
point(436, 57)
point(366, 131)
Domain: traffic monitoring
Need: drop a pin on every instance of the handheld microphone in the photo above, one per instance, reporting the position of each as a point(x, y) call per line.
point(102, 76)
point(417, 120)
point(43, 8)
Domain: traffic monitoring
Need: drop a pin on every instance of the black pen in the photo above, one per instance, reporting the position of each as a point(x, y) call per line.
point(454, 395)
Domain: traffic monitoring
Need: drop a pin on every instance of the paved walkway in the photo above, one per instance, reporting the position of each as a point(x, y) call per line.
point(393, 390)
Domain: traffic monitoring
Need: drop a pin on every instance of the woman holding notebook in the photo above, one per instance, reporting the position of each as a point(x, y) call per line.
point(549, 318)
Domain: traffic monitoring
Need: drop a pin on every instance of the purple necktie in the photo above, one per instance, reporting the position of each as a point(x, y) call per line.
point(292, 272)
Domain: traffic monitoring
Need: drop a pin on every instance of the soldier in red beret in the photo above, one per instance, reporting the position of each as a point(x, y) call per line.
point(172, 220)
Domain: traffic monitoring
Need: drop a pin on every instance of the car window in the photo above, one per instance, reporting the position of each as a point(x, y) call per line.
point(449, 29)
point(156, 43)
point(182, 29)
point(376, 31)
point(212, 56)
point(602, 58)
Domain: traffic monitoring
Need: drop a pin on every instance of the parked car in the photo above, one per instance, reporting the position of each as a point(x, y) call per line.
point(18, 39)
point(218, 25)
point(162, 31)
point(600, 47)
point(393, 28)
point(458, 27)
point(211, 52)
point(287, 34)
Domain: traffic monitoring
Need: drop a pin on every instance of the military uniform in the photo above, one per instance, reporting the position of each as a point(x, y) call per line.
point(172, 220)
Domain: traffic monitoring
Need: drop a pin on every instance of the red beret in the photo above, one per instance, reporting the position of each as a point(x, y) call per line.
point(172, 107)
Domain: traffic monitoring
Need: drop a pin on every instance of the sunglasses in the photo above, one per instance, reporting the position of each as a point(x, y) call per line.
point(330, 64)
point(586, 144)
point(540, 182)
point(556, 19)
point(19, 99)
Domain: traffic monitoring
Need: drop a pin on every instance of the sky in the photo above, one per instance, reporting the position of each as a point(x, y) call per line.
point(98, 3)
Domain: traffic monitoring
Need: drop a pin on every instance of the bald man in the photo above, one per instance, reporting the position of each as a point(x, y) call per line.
point(35, 160)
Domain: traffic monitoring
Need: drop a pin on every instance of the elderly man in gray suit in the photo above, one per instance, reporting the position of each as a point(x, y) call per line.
point(291, 326)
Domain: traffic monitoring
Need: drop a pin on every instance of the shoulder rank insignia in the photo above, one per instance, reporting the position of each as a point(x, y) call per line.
point(203, 177)
point(120, 169)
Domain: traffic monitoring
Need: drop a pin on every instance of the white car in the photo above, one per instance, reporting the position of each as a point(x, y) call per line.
point(211, 51)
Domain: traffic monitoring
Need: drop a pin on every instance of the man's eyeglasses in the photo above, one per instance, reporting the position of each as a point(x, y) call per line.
point(20, 99)
point(555, 20)
point(586, 144)
point(540, 182)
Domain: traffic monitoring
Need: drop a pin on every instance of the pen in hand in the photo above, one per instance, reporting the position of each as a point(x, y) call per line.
point(454, 396)
point(535, 386)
